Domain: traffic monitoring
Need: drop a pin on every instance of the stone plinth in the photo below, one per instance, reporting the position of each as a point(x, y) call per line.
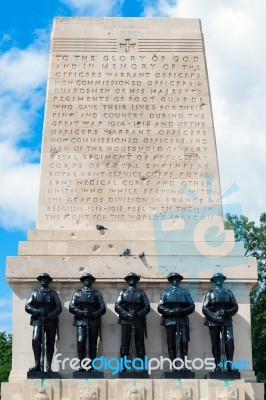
point(126, 389)
point(68, 254)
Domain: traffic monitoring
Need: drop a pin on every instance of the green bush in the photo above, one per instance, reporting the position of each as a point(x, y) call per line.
point(5, 355)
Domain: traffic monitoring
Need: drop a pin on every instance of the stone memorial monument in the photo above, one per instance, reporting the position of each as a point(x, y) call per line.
point(129, 182)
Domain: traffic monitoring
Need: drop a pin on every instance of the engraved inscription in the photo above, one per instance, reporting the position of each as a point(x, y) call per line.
point(127, 136)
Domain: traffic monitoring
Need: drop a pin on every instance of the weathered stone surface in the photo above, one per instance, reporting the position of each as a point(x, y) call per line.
point(127, 389)
point(128, 144)
point(128, 128)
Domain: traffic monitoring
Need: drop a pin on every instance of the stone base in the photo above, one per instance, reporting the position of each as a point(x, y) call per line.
point(225, 376)
point(43, 375)
point(133, 375)
point(88, 375)
point(128, 389)
point(179, 375)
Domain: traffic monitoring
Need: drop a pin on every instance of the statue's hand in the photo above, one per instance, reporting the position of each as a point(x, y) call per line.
point(42, 312)
point(43, 319)
point(87, 314)
point(222, 312)
point(219, 319)
point(130, 316)
point(177, 311)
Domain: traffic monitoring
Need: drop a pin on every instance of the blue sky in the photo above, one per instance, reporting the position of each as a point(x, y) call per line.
point(236, 56)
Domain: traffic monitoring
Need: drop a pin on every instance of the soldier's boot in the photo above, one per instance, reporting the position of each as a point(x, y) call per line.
point(36, 347)
point(141, 355)
point(124, 352)
point(217, 359)
point(183, 354)
point(82, 354)
point(49, 359)
point(93, 354)
point(172, 355)
point(229, 355)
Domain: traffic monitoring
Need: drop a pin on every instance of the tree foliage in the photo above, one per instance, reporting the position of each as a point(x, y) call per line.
point(254, 238)
point(5, 355)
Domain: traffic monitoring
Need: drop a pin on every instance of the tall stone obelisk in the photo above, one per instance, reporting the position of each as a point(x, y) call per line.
point(128, 144)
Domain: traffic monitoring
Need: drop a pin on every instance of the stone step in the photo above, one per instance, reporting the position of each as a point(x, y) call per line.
point(114, 389)
point(91, 248)
point(108, 268)
point(168, 232)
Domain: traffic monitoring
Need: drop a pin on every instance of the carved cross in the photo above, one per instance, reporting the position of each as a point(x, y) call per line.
point(127, 45)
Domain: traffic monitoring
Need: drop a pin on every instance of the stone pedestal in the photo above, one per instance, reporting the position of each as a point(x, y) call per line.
point(110, 269)
point(179, 375)
point(43, 375)
point(223, 376)
point(131, 389)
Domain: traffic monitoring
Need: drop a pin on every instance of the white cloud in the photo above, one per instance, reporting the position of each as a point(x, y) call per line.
point(5, 302)
point(5, 314)
point(19, 188)
point(23, 77)
point(95, 7)
point(234, 34)
point(5, 38)
point(22, 71)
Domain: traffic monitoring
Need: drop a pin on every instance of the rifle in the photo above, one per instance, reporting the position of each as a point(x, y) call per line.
point(223, 346)
point(133, 350)
point(87, 339)
point(177, 334)
point(133, 347)
point(43, 346)
point(223, 337)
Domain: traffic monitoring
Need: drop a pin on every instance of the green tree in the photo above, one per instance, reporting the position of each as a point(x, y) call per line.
point(5, 355)
point(254, 238)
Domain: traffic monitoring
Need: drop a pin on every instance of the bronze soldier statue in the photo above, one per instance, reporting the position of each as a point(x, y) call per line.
point(88, 306)
point(44, 306)
point(132, 305)
point(175, 305)
point(219, 306)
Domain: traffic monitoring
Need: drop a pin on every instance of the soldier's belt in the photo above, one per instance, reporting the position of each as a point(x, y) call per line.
point(90, 309)
point(133, 308)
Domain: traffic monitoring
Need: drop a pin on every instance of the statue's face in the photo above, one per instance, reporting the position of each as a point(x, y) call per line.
point(88, 281)
point(132, 281)
point(218, 281)
point(175, 281)
point(44, 281)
